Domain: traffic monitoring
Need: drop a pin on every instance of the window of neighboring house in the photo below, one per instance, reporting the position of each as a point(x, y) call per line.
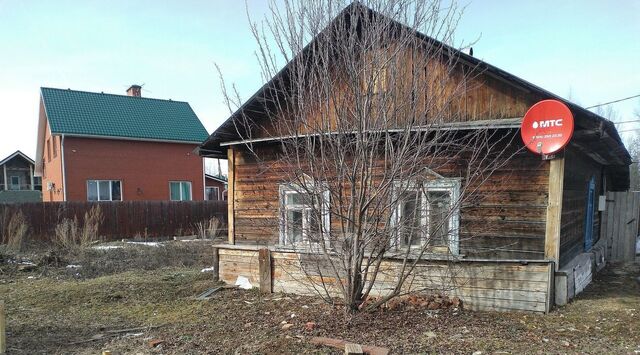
point(15, 183)
point(304, 217)
point(426, 215)
point(48, 149)
point(37, 181)
point(104, 190)
point(212, 193)
point(55, 148)
point(180, 190)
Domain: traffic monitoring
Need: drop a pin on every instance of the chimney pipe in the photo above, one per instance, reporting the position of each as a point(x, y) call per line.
point(134, 90)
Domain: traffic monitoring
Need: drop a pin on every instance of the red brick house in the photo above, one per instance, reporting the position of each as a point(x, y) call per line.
point(105, 147)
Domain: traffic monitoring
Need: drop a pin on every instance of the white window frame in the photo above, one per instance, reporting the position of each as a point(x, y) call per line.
point(214, 188)
point(182, 197)
point(12, 186)
point(110, 190)
point(288, 189)
point(452, 186)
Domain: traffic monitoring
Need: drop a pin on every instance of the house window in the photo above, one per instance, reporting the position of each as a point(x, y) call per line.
point(48, 149)
point(304, 216)
point(212, 193)
point(426, 215)
point(55, 149)
point(15, 183)
point(180, 190)
point(104, 190)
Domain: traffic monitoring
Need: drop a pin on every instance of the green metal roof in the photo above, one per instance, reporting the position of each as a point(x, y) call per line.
point(82, 113)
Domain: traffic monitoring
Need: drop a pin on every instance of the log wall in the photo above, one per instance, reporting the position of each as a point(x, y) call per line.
point(503, 219)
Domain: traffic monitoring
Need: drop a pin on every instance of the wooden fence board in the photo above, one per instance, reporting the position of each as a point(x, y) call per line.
point(621, 228)
point(124, 219)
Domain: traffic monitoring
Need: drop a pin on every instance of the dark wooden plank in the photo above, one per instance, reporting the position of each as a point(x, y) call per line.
point(264, 267)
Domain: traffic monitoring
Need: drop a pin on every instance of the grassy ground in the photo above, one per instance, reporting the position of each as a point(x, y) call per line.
point(47, 314)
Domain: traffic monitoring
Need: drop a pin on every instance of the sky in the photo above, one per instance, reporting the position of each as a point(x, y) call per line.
point(586, 51)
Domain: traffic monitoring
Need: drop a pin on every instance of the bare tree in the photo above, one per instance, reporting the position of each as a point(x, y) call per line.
point(634, 150)
point(374, 153)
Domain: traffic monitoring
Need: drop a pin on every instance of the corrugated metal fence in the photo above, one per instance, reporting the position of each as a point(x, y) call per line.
point(125, 219)
point(620, 225)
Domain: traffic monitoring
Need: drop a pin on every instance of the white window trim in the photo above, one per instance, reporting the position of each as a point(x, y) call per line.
point(181, 197)
point(12, 186)
point(110, 190)
point(217, 192)
point(448, 185)
point(285, 189)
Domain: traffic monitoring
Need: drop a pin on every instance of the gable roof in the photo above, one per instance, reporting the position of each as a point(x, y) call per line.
point(594, 134)
point(89, 114)
point(221, 179)
point(15, 154)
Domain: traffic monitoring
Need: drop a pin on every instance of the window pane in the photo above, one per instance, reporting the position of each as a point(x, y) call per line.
point(15, 183)
point(104, 190)
point(410, 226)
point(92, 190)
point(175, 191)
point(116, 194)
point(314, 231)
point(439, 206)
point(296, 199)
point(186, 191)
point(294, 226)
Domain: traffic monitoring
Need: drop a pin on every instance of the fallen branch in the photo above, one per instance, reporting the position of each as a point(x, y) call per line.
point(340, 344)
point(114, 333)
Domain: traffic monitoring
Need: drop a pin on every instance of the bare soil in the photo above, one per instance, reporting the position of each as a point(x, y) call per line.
point(59, 313)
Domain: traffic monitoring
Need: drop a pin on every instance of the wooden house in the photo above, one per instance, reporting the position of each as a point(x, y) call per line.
point(536, 217)
point(17, 180)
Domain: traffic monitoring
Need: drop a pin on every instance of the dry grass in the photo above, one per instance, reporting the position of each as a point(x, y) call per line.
point(71, 236)
point(210, 229)
point(14, 229)
point(47, 313)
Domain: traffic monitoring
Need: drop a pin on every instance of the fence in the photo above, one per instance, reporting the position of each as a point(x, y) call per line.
point(620, 225)
point(121, 219)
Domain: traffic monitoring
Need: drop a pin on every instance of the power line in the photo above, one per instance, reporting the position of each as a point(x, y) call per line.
point(629, 130)
point(614, 101)
point(632, 121)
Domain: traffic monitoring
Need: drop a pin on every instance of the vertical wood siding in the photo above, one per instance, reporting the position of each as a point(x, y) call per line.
point(578, 171)
point(121, 219)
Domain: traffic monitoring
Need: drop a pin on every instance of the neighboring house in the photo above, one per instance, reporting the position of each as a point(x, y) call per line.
point(536, 223)
point(17, 182)
point(106, 147)
point(215, 188)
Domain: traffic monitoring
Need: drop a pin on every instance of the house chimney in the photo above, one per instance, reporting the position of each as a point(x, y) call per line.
point(134, 90)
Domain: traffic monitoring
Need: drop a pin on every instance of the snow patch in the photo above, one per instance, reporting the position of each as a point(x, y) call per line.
point(150, 244)
point(243, 283)
point(107, 247)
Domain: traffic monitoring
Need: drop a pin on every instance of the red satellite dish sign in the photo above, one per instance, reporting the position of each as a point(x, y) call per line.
point(547, 127)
